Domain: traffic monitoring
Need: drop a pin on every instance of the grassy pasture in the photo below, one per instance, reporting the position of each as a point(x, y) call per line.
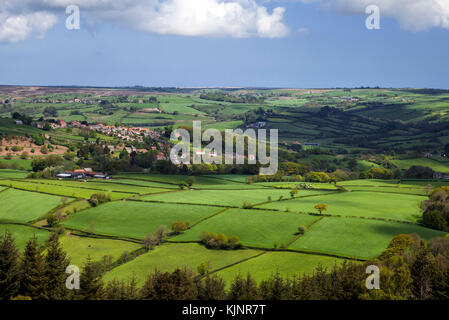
point(22, 206)
point(254, 227)
point(79, 248)
point(25, 163)
point(365, 239)
point(59, 189)
point(143, 183)
point(177, 179)
point(171, 256)
point(440, 166)
point(232, 198)
point(22, 234)
point(135, 219)
point(12, 174)
point(286, 263)
point(360, 204)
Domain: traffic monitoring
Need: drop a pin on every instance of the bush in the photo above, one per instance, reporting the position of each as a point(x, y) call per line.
point(179, 227)
point(379, 173)
point(433, 219)
point(301, 230)
point(52, 220)
point(220, 241)
point(247, 205)
point(99, 198)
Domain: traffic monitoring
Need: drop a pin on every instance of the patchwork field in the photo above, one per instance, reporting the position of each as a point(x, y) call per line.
point(267, 229)
point(79, 248)
point(359, 204)
point(231, 198)
point(135, 219)
point(21, 206)
point(286, 263)
point(358, 238)
point(171, 256)
point(22, 234)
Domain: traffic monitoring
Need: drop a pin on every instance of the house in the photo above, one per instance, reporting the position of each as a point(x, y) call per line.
point(160, 157)
point(18, 122)
point(62, 123)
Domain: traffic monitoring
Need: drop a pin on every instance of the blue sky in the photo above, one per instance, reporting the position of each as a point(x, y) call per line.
point(324, 47)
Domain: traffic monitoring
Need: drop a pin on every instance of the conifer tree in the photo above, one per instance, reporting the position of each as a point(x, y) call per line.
point(91, 286)
point(9, 267)
point(32, 271)
point(56, 262)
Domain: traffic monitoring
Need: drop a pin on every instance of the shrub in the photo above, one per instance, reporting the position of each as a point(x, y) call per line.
point(52, 220)
point(220, 241)
point(247, 205)
point(179, 227)
point(99, 198)
point(301, 230)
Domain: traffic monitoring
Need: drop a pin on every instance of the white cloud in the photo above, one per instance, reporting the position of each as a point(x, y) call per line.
point(214, 18)
point(412, 15)
point(14, 28)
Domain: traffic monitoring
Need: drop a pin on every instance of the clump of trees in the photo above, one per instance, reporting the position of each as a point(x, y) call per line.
point(436, 209)
point(180, 226)
point(379, 173)
point(99, 198)
point(220, 241)
point(419, 172)
point(155, 239)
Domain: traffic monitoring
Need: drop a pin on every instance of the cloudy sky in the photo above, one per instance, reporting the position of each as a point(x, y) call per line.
point(263, 43)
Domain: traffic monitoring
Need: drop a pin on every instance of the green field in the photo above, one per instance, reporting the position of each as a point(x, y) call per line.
point(79, 248)
point(255, 228)
point(135, 219)
point(21, 206)
point(12, 174)
point(286, 263)
point(348, 237)
point(440, 166)
point(24, 164)
point(22, 234)
point(232, 198)
point(359, 204)
point(60, 188)
point(171, 256)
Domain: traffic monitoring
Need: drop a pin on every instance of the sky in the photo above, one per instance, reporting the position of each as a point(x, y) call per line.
point(225, 43)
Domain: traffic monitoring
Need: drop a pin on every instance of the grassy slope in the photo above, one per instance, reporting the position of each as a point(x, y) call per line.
point(286, 263)
point(22, 234)
point(79, 248)
point(171, 256)
point(22, 206)
point(226, 197)
point(253, 227)
point(356, 237)
point(135, 219)
point(360, 204)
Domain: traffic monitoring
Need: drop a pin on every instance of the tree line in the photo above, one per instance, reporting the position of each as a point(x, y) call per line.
point(410, 269)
